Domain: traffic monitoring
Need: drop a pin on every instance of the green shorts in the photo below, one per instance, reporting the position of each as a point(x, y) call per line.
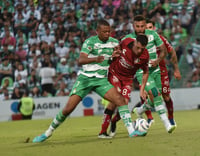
point(154, 80)
point(85, 85)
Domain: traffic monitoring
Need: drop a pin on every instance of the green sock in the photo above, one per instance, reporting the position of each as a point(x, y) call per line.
point(126, 117)
point(58, 120)
point(160, 109)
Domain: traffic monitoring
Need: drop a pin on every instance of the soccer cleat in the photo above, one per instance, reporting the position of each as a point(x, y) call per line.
point(150, 122)
point(104, 136)
point(171, 129)
point(137, 133)
point(135, 110)
point(113, 127)
point(40, 138)
point(173, 123)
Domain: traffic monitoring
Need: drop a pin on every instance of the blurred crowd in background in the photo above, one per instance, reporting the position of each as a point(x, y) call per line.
point(40, 41)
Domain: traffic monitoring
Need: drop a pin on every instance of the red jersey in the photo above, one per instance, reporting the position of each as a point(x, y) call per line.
point(125, 66)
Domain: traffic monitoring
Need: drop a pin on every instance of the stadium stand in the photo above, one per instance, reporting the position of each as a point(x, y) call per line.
point(47, 31)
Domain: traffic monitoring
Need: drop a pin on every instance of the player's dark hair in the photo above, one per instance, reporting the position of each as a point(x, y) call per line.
point(102, 22)
point(143, 39)
point(130, 45)
point(139, 18)
point(150, 21)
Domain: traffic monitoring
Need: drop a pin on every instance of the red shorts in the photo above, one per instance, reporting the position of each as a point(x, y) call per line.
point(124, 87)
point(165, 83)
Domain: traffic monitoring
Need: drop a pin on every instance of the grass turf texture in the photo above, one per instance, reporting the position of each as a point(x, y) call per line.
point(78, 137)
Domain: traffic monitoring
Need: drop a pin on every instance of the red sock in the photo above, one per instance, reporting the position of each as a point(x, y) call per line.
point(106, 120)
point(148, 114)
point(170, 108)
point(116, 117)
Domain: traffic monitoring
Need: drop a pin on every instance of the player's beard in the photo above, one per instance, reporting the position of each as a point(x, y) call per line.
point(140, 32)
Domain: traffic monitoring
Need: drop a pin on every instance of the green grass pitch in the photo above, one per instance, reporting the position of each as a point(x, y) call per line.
point(78, 137)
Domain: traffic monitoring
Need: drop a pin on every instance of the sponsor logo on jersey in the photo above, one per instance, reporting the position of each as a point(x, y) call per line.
point(115, 79)
point(123, 62)
point(166, 83)
point(150, 38)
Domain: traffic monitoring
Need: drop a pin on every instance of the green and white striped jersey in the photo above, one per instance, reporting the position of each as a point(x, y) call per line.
point(153, 42)
point(95, 47)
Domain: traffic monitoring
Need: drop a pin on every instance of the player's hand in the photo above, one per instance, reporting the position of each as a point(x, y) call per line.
point(143, 96)
point(116, 51)
point(177, 74)
point(99, 59)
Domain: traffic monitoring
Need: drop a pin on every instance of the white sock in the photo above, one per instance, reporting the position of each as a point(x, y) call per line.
point(130, 128)
point(161, 110)
point(165, 121)
point(49, 131)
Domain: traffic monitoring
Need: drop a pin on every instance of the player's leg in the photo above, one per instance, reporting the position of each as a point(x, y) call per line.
point(78, 92)
point(106, 120)
point(145, 108)
point(111, 94)
point(158, 103)
point(155, 99)
point(113, 123)
point(160, 108)
point(117, 99)
point(108, 112)
point(148, 113)
point(166, 96)
point(115, 119)
point(60, 118)
point(125, 90)
point(170, 108)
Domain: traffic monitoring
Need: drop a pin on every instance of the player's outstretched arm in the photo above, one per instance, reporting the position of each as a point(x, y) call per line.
point(83, 59)
point(174, 61)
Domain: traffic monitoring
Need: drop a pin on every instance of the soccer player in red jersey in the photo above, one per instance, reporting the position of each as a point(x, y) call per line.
point(164, 75)
point(133, 56)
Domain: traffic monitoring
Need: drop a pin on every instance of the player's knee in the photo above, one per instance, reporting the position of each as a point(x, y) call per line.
point(118, 100)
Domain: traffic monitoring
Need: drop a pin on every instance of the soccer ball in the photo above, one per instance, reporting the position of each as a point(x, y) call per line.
point(141, 125)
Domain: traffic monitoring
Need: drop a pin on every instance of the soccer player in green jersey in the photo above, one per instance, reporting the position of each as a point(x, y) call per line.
point(153, 86)
point(94, 57)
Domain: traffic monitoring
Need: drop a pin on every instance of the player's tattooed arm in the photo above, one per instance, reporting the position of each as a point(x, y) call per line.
point(163, 53)
point(174, 61)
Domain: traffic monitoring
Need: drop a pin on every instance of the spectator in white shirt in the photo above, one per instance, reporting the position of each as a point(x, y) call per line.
point(49, 38)
point(36, 13)
point(21, 71)
point(47, 74)
point(61, 50)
